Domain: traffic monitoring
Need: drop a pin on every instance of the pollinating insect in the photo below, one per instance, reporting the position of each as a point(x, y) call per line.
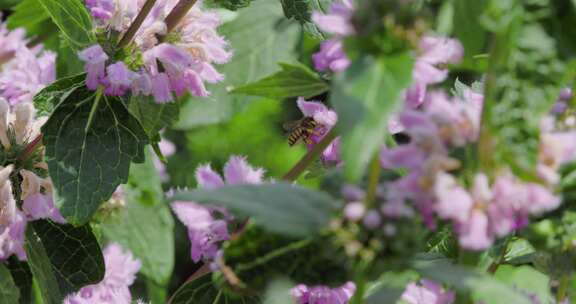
point(301, 130)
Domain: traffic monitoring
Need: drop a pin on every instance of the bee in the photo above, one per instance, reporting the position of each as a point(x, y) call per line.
point(302, 129)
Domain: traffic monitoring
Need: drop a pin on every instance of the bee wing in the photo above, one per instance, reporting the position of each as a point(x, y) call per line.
point(289, 126)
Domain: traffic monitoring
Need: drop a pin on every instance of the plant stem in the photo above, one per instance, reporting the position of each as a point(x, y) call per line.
point(562, 288)
point(30, 149)
point(94, 108)
point(494, 266)
point(313, 154)
point(136, 24)
point(176, 15)
point(373, 179)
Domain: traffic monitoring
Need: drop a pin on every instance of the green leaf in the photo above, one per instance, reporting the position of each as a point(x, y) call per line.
point(203, 290)
point(145, 226)
point(154, 116)
point(481, 286)
point(527, 280)
point(22, 278)
point(62, 258)
point(228, 4)
point(72, 19)
point(293, 80)
point(523, 81)
point(301, 11)
point(27, 14)
point(260, 40)
point(466, 20)
point(49, 97)
point(90, 142)
point(281, 208)
point(9, 292)
point(365, 96)
point(279, 292)
point(6, 4)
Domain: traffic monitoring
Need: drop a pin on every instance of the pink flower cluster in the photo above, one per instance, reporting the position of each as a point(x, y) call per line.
point(331, 56)
point(303, 294)
point(24, 70)
point(433, 53)
point(427, 292)
point(17, 127)
point(181, 65)
point(121, 270)
point(479, 213)
point(208, 226)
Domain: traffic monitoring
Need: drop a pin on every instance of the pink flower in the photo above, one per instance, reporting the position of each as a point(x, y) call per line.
point(331, 56)
point(474, 233)
point(337, 21)
point(452, 201)
point(326, 119)
point(168, 149)
point(26, 74)
point(303, 294)
point(208, 226)
point(204, 230)
point(121, 270)
point(427, 292)
point(12, 238)
point(434, 51)
point(119, 79)
point(41, 206)
point(95, 66)
point(10, 41)
point(101, 9)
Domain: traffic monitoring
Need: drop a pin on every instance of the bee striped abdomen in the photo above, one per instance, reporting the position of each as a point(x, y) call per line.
point(296, 135)
point(302, 130)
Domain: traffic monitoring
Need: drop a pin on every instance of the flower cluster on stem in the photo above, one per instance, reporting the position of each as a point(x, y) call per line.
point(169, 56)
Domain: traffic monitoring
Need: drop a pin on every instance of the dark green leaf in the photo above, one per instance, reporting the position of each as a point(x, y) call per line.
point(49, 97)
point(282, 208)
point(203, 290)
point(73, 20)
point(152, 242)
point(22, 278)
point(62, 258)
point(293, 81)
point(481, 286)
point(9, 292)
point(154, 116)
point(228, 4)
point(90, 143)
point(365, 96)
point(259, 40)
point(301, 11)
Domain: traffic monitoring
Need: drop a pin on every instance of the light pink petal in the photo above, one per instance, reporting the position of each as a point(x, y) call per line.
point(238, 171)
point(207, 178)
